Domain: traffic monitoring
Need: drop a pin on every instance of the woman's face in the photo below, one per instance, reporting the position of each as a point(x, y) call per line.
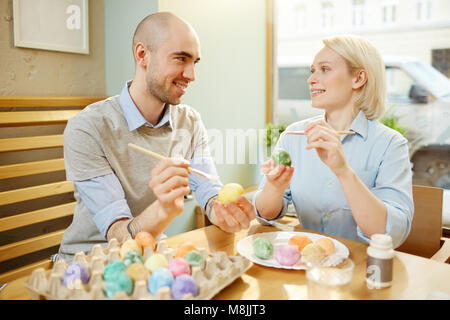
point(330, 83)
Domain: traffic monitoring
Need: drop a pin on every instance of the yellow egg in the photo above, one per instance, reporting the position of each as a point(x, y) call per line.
point(313, 249)
point(137, 271)
point(130, 244)
point(156, 261)
point(312, 253)
point(230, 192)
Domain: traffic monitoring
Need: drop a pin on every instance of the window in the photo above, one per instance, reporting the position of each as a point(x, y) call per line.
point(327, 14)
point(285, 19)
point(291, 17)
point(300, 18)
point(389, 12)
point(428, 75)
point(357, 12)
point(398, 84)
point(292, 83)
point(423, 10)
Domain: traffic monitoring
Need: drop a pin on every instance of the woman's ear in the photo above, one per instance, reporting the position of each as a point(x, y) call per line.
point(359, 79)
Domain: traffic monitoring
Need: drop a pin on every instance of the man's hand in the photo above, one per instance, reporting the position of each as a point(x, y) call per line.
point(170, 182)
point(232, 217)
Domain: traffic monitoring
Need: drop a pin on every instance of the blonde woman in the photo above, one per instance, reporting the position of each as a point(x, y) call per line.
point(350, 186)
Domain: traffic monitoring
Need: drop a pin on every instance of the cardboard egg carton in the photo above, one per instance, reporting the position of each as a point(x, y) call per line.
point(219, 271)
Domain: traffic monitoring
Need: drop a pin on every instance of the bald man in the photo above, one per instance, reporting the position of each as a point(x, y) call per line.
point(119, 191)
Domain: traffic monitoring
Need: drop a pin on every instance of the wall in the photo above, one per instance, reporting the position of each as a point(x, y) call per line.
point(25, 71)
point(121, 20)
point(229, 91)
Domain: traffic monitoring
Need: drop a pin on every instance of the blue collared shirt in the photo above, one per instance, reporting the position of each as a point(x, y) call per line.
point(380, 158)
point(104, 195)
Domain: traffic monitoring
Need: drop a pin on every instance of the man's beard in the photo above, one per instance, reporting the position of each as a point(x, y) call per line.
point(156, 89)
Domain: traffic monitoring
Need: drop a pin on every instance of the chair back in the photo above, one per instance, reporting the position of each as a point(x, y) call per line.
point(36, 201)
point(426, 228)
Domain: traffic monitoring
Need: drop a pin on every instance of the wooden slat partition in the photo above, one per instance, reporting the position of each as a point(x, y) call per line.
point(31, 143)
point(20, 248)
point(30, 168)
point(28, 118)
point(25, 270)
point(36, 192)
point(33, 111)
point(49, 101)
point(36, 216)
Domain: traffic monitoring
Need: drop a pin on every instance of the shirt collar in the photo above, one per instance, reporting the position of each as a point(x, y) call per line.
point(360, 125)
point(133, 115)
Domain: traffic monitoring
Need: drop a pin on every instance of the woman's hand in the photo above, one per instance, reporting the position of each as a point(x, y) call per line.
point(278, 177)
point(170, 182)
point(269, 201)
point(322, 137)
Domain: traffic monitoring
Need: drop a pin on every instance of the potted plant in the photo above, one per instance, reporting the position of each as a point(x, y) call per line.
point(389, 119)
point(273, 132)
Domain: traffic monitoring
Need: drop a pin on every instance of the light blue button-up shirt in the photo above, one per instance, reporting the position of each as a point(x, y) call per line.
point(378, 155)
point(104, 195)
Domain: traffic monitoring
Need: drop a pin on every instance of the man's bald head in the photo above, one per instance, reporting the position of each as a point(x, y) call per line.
point(156, 28)
point(166, 50)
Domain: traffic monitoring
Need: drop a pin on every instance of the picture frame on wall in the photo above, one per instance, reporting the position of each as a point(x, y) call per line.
point(57, 25)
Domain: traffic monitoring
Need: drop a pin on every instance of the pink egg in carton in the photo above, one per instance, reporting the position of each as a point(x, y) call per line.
point(217, 272)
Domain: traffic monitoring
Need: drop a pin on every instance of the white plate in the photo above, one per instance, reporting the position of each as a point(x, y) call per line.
point(245, 247)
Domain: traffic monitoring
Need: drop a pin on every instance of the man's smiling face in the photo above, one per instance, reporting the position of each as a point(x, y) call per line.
point(172, 65)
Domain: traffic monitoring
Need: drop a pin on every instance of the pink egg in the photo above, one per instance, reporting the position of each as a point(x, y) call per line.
point(286, 255)
point(179, 266)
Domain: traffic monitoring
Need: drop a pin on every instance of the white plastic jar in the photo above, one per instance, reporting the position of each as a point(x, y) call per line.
point(380, 257)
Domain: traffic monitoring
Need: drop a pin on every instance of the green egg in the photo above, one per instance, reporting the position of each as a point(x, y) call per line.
point(281, 156)
point(131, 257)
point(262, 248)
point(194, 259)
point(121, 282)
point(112, 269)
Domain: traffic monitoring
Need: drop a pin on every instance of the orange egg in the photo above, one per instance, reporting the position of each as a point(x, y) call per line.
point(184, 248)
point(326, 244)
point(145, 239)
point(299, 241)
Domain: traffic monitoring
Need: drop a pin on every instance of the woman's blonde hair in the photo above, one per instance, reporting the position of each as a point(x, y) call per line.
point(359, 54)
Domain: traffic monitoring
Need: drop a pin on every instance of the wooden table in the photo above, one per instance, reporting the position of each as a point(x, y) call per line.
point(414, 277)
